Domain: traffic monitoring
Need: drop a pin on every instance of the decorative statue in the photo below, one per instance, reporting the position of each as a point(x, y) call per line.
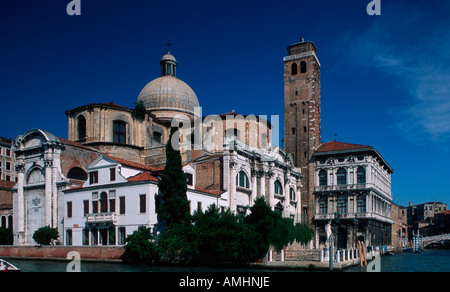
point(329, 232)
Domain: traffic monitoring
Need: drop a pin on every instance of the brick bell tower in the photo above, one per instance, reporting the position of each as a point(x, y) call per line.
point(302, 116)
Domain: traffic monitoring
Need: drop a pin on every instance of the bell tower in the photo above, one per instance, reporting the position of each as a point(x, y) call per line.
point(302, 119)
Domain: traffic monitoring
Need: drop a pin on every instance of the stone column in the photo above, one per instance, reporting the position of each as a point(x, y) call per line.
point(254, 186)
point(271, 177)
point(56, 163)
point(287, 195)
point(262, 183)
point(20, 169)
point(232, 189)
point(48, 191)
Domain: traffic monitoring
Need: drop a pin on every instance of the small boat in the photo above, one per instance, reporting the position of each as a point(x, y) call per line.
point(7, 267)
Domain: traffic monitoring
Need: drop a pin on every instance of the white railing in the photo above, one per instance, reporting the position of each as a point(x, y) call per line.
point(102, 218)
point(364, 215)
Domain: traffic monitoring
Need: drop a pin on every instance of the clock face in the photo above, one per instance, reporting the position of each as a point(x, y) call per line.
point(35, 176)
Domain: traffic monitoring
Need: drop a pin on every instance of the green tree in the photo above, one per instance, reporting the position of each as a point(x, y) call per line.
point(139, 110)
point(274, 229)
point(140, 246)
point(45, 235)
point(178, 243)
point(223, 236)
point(172, 204)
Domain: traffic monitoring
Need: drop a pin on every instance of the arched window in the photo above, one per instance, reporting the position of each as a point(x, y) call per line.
point(81, 123)
point(342, 176)
point(292, 196)
point(294, 70)
point(342, 204)
point(3, 224)
point(303, 67)
point(242, 180)
point(323, 177)
point(361, 204)
point(278, 188)
point(10, 222)
point(77, 173)
point(119, 132)
point(361, 175)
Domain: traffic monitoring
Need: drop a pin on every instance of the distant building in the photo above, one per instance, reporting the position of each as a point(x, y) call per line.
point(352, 192)
point(442, 222)
point(6, 200)
point(421, 217)
point(399, 226)
point(7, 161)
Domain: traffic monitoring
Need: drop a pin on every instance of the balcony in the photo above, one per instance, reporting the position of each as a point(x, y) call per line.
point(330, 188)
point(102, 218)
point(364, 215)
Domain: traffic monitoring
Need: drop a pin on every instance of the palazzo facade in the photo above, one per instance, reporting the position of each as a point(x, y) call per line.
point(352, 192)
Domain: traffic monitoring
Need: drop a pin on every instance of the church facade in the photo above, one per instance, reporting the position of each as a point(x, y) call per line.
point(228, 158)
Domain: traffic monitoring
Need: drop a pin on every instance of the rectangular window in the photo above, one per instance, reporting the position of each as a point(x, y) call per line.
point(86, 236)
point(142, 204)
point(85, 207)
point(8, 165)
point(69, 237)
point(95, 207)
point(93, 177)
point(121, 235)
point(112, 174)
point(199, 206)
point(69, 209)
point(112, 201)
point(94, 236)
point(122, 205)
point(190, 179)
point(119, 132)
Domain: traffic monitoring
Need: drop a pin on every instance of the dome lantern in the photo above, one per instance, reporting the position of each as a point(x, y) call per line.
point(167, 95)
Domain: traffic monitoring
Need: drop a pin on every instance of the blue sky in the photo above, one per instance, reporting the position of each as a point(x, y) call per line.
point(385, 79)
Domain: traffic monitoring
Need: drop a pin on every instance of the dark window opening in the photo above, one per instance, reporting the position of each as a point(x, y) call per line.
point(361, 175)
point(142, 204)
point(323, 178)
point(294, 69)
point(81, 128)
point(93, 177)
point(119, 132)
point(342, 177)
point(157, 137)
point(303, 67)
point(77, 173)
point(112, 174)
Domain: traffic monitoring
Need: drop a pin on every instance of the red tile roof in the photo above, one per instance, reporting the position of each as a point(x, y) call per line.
point(75, 144)
point(134, 164)
point(339, 146)
point(215, 193)
point(145, 176)
point(7, 184)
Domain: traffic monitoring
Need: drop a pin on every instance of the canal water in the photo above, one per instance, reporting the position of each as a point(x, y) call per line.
point(426, 261)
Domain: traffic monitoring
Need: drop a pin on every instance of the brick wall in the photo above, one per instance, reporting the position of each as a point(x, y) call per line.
point(60, 252)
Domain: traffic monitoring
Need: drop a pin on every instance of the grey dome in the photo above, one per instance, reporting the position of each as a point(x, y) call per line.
point(169, 93)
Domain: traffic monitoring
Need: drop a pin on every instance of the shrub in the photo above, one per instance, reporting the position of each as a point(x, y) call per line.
point(6, 236)
point(139, 246)
point(45, 235)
